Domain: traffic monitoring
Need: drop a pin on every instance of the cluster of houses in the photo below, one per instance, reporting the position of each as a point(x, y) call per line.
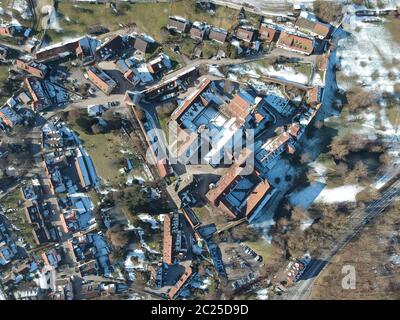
point(177, 249)
point(89, 253)
point(8, 248)
point(40, 213)
point(14, 30)
point(39, 92)
point(145, 73)
point(298, 37)
point(69, 169)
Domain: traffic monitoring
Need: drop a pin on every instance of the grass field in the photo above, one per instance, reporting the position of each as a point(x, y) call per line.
point(3, 78)
point(104, 148)
point(150, 17)
point(163, 119)
point(393, 26)
point(262, 248)
point(14, 200)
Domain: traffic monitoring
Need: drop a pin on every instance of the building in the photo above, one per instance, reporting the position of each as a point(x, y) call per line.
point(216, 119)
point(246, 33)
point(38, 92)
point(314, 95)
point(170, 86)
point(51, 258)
point(180, 284)
point(82, 47)
point(191, 217)
point(14, 30)
point(144, 43)
point(36, 69)
point(191, 99)
point(294, 270)
point(63, 290)
point(270, 151)
point(167, 240)
point(9, 117)
point(108, 49)
point(267, 33)
point(85, 169)
point(218, 34)
point(158, 65)
point(90, 290)
point(240, 195)
point(4, 53)
point(198, 30)
point(101, 79)
point(309, 24)
point(295, 43)
point(178, 24)
point(6, 30)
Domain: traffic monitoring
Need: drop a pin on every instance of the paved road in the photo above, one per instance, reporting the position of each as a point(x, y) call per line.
point(302, 289)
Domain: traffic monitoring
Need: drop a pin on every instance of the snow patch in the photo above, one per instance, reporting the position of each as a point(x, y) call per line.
point(340, 194)
point(305, 197)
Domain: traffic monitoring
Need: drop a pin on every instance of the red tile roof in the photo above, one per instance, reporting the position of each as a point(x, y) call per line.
point(297, 43)
point(245, 34)
point(180, 283)
point(256, 196)
point(267, 33)
point(190, 99)
point(232, 176)
point(167, 242)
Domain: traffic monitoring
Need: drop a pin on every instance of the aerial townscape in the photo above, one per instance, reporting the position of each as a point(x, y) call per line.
point(199, 149)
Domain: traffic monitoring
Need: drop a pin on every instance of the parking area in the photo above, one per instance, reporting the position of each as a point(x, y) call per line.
point(242, 264)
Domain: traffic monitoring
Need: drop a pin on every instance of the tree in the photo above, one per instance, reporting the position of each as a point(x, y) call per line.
point(245, 233)
point(73, 115)
point(385, 160)
point(342, 169)
point(312, 176)
point(130, 198)
point(112, 119)
point(361, 170)
point(118, 237)
point(96, 128)
point(339, 149)
point(203, 69)
point(327, 11)
point(360, 99)
point(298, 214)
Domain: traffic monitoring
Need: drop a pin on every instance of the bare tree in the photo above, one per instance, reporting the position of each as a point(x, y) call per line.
point(342, 169)
point(298, 214)
point(339, 149)
point(96, 128)
point(118, 237)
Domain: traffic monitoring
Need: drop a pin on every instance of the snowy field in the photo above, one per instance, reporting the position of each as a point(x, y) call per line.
point(367, 55)
point(256, 70)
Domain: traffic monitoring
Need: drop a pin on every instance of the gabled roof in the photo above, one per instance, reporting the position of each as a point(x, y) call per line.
point(246, 33)
point(167, 242)
point(190, 99)
point(256, 196)
point(267, 33)
point(295, 42)
point(316, 27)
